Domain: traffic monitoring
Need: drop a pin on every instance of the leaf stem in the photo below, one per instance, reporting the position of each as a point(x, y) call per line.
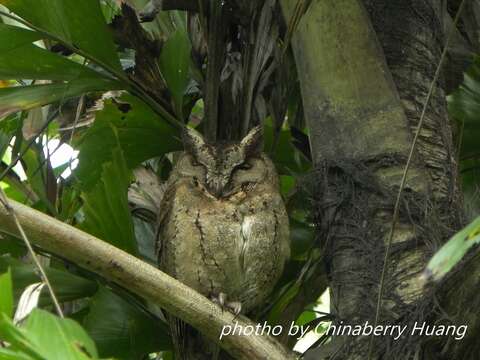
point(131, 85)
point(27, 147)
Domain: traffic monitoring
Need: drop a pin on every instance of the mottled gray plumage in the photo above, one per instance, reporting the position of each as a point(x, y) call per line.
point(223, 227)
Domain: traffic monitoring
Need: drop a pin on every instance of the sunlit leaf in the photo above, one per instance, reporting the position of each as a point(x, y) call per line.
point(142, 135)
point(6, 294)
point(453, 251)
point(17, 338)
point(105, 206)
point(44, 336)
point(306, 317)
point(20, 59)
point(58, 339)
point(7, 354)
point(33, 62)
point(18, 98)
point(174, 63)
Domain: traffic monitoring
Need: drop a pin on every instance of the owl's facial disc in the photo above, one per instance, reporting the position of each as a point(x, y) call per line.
point(221, 160)
point(218, 175)
point(216, 184)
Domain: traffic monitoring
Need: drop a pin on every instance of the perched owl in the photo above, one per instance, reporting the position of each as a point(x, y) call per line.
point(223, 227)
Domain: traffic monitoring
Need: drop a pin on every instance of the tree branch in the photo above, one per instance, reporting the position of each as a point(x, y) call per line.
point(141, 278)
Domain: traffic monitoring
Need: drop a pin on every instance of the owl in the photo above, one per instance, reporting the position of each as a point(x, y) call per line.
point(223, 227)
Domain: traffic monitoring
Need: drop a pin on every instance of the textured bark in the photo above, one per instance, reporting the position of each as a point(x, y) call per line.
point(363, 98)
point(412, 38)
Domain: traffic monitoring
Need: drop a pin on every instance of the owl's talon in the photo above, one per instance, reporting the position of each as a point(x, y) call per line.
point(234, 307)
point(220, 299)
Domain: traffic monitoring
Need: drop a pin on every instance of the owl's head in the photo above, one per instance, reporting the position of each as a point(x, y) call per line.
point(223, 167)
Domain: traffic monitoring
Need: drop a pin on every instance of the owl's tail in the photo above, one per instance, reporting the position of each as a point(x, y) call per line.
point(189, 344)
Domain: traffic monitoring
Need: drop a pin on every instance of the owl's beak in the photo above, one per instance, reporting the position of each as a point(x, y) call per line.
point(217, 186)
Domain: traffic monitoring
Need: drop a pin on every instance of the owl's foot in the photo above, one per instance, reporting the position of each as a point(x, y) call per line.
point(233, 306)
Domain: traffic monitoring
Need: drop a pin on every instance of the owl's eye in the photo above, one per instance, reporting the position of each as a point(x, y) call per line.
point(244, 166)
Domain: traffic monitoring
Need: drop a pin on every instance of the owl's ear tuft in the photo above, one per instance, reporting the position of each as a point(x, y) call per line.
point(252, 143)
point(193, 141)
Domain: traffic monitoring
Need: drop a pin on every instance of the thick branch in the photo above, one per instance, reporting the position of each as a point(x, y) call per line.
point(141, 278)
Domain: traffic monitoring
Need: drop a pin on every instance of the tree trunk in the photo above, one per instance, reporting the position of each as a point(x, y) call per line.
point(365, 69)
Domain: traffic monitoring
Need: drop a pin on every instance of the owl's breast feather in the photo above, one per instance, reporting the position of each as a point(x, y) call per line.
point(236, 245)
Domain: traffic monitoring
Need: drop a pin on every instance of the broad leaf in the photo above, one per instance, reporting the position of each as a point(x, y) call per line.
point(67, 286)
point(6, 294)
point(17, 338)
point(106, 210)
point(20, 59)
point(13, 37)
point(306, 316)
point(7, 354)
point(35, 63)
point(142, 135)
point(78, 23)
point(453, 251)
point(174, 64)
point(45, 336)
point(58, 339)
point(123, 330)
point(18, 98)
